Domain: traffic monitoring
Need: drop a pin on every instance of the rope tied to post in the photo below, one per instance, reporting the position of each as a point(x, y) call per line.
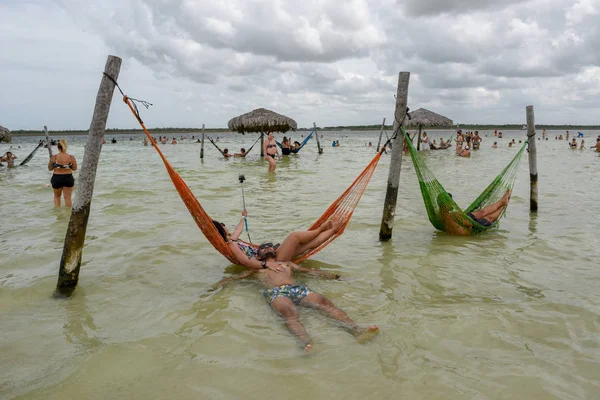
point(145, 103)
point(395, 133)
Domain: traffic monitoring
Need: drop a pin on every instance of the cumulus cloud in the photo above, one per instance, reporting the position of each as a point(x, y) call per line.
point(324, 60)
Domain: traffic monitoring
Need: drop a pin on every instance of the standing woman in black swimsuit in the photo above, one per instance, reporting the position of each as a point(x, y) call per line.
point(62, 181)
point(271, 151)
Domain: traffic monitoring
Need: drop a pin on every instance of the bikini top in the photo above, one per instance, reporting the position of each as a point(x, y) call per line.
point(247, 249)
point(63, 166)
point(270, 145)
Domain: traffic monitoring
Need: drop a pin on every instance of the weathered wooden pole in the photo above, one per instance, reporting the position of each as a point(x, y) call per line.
point(533, 174)
point(262, 144)
point(202, 143)
point(319, 148)
point(391, 195)
point(70, 261)
point(380, 134)
point(419, 139)
point(47, 140)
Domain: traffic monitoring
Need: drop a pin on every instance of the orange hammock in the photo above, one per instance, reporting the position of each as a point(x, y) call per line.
point(343, 207)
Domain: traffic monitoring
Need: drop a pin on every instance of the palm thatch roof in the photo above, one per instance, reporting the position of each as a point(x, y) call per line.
point(423, 117)
point(261, 120)
point(4, 134)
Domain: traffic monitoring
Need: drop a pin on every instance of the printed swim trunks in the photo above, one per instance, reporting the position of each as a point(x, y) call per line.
point(293, 292)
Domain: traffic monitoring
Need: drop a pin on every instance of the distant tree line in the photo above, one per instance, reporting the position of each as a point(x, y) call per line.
point(171, 130)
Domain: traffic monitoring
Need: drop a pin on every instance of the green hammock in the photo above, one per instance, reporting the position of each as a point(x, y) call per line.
point(443, 212)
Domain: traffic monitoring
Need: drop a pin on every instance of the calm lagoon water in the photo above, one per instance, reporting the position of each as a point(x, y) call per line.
point(513, 313)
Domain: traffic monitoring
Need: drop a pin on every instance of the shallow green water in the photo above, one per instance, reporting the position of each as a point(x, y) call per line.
point(510, 314)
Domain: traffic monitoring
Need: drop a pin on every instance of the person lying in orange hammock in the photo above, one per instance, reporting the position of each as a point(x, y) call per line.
point(293, 245)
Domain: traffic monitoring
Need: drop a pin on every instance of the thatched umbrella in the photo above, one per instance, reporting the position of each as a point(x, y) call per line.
point(4, 135)
point(261, 120)
point(423, 117)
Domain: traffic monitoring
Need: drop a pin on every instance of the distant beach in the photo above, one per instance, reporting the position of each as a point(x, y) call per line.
point(361, 128)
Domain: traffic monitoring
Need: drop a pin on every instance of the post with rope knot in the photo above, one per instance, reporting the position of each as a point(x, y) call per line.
point(70, 262)
point(391, 195)
point(533, 173)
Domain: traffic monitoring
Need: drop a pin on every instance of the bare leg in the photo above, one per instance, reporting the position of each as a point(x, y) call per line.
point(272, 163)
point(319, 301)
point(286, 308)
point(57, 194)
point(488, 211)
point(321, 238)
point(295, 240)
point(67, 193)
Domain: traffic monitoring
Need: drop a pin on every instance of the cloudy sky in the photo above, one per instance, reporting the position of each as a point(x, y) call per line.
point(335, 62)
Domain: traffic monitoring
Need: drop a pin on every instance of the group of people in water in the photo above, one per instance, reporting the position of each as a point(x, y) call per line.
point(467, 141)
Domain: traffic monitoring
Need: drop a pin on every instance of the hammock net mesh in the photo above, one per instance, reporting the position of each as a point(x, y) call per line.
point(442, 211)
point(342, 208)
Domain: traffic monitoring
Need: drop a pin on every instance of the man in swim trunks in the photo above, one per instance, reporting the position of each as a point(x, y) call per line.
point(284, 294)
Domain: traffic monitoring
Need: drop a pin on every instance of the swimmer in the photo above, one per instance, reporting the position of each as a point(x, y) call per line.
point(284, 294)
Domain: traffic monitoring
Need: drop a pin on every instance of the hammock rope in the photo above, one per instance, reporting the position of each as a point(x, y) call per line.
point(251, 147)
point(301, 144)
point(440, 206)
point(214, 144)
point(30, 156)
point(223, 153)
point(343, 207)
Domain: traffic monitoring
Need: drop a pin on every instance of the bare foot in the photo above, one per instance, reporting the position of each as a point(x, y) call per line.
point(326, 225)
point(308, 348)
point(363, 335)
point(338, 222)
point(506, 197)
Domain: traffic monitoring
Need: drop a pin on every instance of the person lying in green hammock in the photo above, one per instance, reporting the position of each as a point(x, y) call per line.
point(456, 223)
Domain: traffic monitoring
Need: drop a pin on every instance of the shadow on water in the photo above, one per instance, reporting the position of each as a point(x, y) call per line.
point(533, 221)
point(79, 328)
point(209, 303)
point(388, 279)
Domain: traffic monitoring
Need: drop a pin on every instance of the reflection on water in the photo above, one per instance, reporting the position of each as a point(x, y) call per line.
point(513, 313)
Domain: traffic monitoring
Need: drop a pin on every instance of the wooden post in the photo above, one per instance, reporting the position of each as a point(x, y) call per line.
point(202, 144)
point(70, 261)
point(262, 144)
point(320, 149)
point(48, 141)
point(391, 195)
point(419, 139)
point(533, 174)
point(380, 134)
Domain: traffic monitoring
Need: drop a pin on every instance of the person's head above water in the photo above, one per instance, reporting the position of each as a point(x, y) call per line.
point(221, 229)
point(266, 250)
point(443, 203)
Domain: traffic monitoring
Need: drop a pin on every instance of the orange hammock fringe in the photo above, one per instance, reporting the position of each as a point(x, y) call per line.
point(342, 208)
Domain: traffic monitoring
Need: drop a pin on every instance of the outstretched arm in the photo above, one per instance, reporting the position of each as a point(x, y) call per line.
point(225, 281)
point(314, 272)
point(239, 227)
